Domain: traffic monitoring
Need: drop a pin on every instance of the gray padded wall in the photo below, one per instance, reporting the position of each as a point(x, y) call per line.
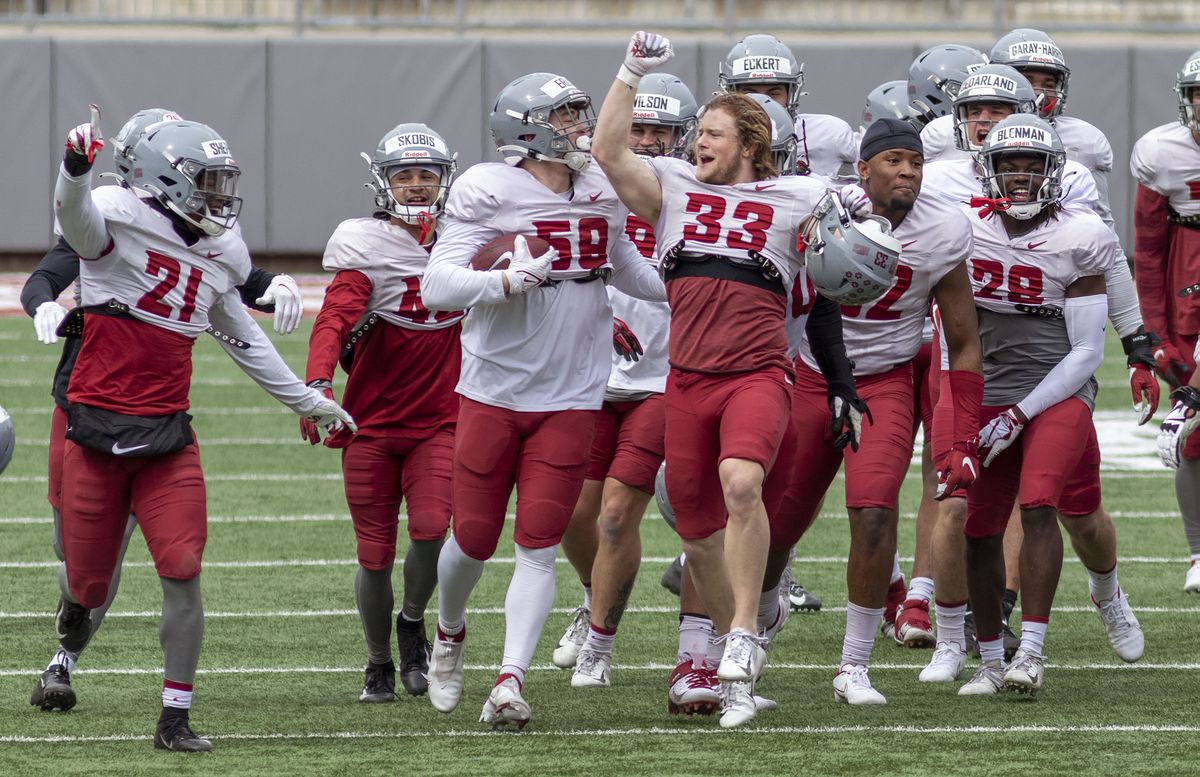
point(25, 131)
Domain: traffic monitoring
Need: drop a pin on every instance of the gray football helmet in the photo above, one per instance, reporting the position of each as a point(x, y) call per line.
point(784, 141)
point(1029, 49)
point(520, 121)
point(186, 167)
point(990, 84)
point(128, 136)
point(660, 495)
point(8, 438)
point(935, 76)
point(1023, 135)
point(763, 59)
point(889, 99)
point(1187, 80)
point(850, 262)
point(409, 145)
point(662, 99)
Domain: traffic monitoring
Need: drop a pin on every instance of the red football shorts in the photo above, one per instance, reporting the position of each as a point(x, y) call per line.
point(628, 445)
point(100, 491)
point(544, 454)
point(874, 474)
point(58, 440)
point(379, 473)
point(1055, 462)
point(713, 417)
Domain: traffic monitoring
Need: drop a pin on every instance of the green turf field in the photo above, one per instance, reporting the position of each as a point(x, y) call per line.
point(283, 653)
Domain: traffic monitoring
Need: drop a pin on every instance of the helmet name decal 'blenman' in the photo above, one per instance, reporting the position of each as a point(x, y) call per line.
point(1020, 135)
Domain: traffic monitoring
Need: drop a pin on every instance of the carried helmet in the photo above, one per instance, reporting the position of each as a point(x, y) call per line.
point(187, 168)
point(520, 121)
point(990, 84)
point(1029, 49)
point(784, 142)
point(850, 262)
point(128, 136)
point(8, 438)
point(935, 76)
point(1023, 135)
point(889, 99)
point(410, 145)
point(663, 100)
point(763, 59)
point(660, 495)
point(1187, 80)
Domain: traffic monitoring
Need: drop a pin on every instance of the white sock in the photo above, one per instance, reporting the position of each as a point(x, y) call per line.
point(951, 622)
point(600, 641)
point(1033, 636)
point(768, 609)
point(695, 635)
point(716, 650)
point(457, 575)
point(921, 588)
point(861, 625)
point(896, 573)
point(1103, 585)
point(587, 598)
point(176, 695)
point(65, 658)
point(527, 604)
point(992, 650)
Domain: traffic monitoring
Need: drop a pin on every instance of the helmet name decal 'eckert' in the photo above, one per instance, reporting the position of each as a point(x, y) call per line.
point(757, 64)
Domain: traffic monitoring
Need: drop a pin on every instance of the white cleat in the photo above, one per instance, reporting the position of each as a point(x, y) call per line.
point(1191, 583)
point(946, 665)
point(505, 706)
point(1025, 674)
point(445, 673)
point(744, 657)
point(988, 680)
point(1124, 631)
point(852, 685)
point(573, 638)
point(592, 669)
point(738, 704)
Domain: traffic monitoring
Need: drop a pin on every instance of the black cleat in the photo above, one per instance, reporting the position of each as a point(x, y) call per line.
point(174, 733)
point(53, 691)
point(672, 578)
point(803, 600)
point(379, 684)
point(414, 655)
point(73, 626)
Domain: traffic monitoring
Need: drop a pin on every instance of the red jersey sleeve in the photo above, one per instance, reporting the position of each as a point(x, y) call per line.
point(345, 303)
point(1150, 250)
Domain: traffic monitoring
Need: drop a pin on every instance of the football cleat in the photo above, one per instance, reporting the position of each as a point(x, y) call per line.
point(592, 669)
point(572, 639)
point(379, 684)
point(852, 685)
point(744, 657)
point(505, 706)
point(1025, 674)
point(174, 733)
point(72, 626)
point(1124, 631)
point(913, 627)
point(988, 680)
point(738, 705)
point(446, 672)
point(414, 655)
point(672, 577)
point(1012, 642)
point(53, 690)
point(891, 607)
point(803, 600)
point(1191, 583)
point(946, 665)
point(692, 690)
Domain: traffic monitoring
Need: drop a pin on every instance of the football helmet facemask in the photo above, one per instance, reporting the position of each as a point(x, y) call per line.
point(410, 145)
point(1023, 135)
point(545, 117)
point(1186, 82)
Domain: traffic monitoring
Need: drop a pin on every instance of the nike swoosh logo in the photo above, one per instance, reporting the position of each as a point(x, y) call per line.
point(759, 187)
point(213, 254)
point(1032, 246)
point(118, 449)
point(967, 465)
point(595, 196)
point(906, 245)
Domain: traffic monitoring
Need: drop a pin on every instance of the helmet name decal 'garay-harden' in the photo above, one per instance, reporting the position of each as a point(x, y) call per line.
point(1030, 50)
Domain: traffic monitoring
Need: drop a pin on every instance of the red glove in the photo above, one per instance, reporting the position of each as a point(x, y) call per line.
point(1144, 387)
point(958, 469)
point(1171, 365)
point(625, 342)
point(308, 430)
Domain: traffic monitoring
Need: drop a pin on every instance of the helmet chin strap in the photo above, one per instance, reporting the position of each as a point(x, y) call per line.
point(989, 205)
point(426, 223)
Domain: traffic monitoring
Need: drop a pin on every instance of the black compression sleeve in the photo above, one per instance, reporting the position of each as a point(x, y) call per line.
point(255, 286)
point(824, 330)
point(58, 269)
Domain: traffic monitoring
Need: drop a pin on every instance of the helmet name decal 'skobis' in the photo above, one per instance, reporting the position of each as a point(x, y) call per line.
point(215, 148)
point(1035, 49)
point(760, 64)
point(1003, 135)
point(397, 142)
point(989, 80)
point(656, 102)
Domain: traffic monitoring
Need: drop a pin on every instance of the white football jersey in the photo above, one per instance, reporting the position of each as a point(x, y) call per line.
point(935, 237)
point(827, 142)
point(937, 138)
point(957, 180)
point(1085, 144)
point(650, 322)
point(151, 269)
point(1166, 160)
point(394, 262)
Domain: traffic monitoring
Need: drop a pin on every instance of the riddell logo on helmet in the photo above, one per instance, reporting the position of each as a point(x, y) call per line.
point(1036, 50)
point(415, 153)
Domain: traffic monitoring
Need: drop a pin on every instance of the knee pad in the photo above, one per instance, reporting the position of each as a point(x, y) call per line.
point(178, 562)
point(476, 538)
point(376, 555)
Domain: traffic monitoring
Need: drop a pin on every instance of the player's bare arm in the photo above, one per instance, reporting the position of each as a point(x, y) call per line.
point(960, 322)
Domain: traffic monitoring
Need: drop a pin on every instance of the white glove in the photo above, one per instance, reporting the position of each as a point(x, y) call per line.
point(1178, 425)
point(327, 414)
point(647, 51)
point(46, 319)
point(526, 272)
point(1001, 432)
point(85, 140)
point(284, 294)
point(855, 201)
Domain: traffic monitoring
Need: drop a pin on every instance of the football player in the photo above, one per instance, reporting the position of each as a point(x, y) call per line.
point(155, 270)
point(57, 270)
point(403, 361)
point(1166, 249)
point(535, 363)
point(934, 79)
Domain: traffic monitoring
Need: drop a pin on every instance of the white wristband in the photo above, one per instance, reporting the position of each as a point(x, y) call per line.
point(629, 77)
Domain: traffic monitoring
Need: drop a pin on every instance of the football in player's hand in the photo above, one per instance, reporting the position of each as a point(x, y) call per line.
point(486, 258)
